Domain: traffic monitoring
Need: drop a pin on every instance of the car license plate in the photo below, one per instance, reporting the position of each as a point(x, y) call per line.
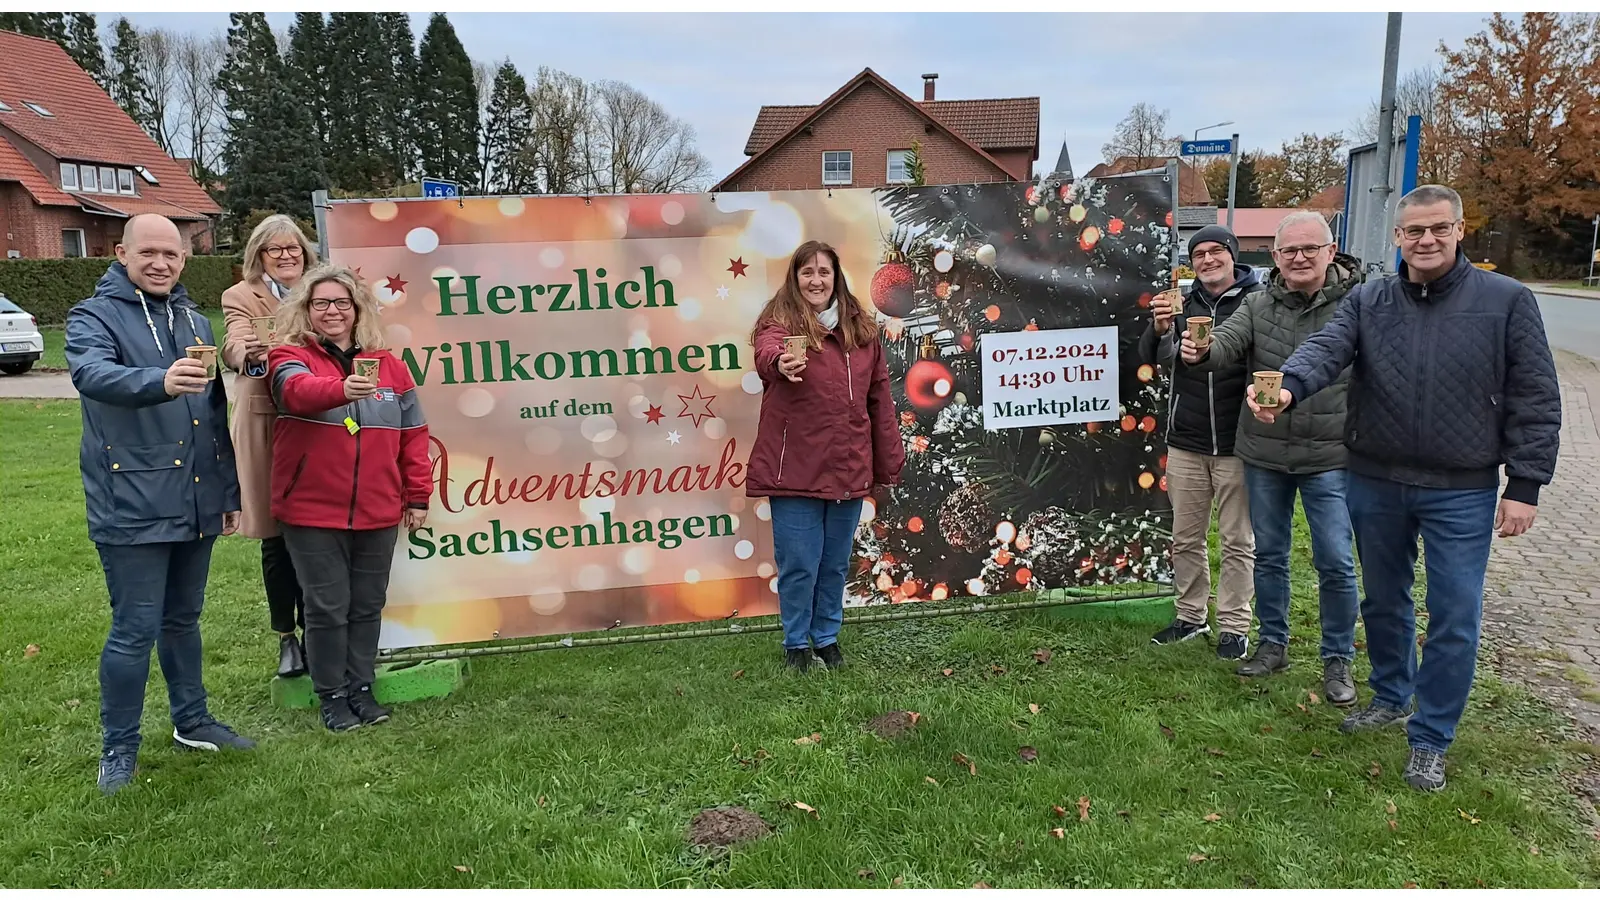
point(16, 348)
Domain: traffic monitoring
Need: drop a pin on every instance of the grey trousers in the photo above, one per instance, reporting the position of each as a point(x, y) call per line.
point(345, 578)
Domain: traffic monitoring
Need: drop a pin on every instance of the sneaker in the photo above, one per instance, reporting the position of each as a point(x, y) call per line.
point(291, 657)
point(117, 768)
point(799, 660)
point(1180, 631)
point(1425, 770)
point(1374, 717)
point(1338, 687)
point(1269, 658)
point(831, 655)
point(337, 714)
point(366, 707)
point(1232, 646)
point(209, 734)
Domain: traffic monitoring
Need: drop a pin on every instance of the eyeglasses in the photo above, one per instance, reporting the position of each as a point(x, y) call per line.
point(1437, 229)
point(1296, 252)
point(1207, 254)
point(343, 303)
point(292, 252)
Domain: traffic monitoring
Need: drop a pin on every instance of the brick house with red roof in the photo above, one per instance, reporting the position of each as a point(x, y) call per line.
point(860, 136)
point(74, 166)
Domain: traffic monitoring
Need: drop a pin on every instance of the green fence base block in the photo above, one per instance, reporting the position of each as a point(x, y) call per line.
point(1140, 611)
point(397, 683)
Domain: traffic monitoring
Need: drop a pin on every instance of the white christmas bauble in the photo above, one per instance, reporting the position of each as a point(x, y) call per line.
point(985, 255)
point(943, 261)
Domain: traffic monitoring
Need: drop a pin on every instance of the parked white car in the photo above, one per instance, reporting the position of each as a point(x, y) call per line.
point(21, 344)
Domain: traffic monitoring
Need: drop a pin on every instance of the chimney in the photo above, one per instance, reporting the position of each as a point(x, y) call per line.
point(927, 86)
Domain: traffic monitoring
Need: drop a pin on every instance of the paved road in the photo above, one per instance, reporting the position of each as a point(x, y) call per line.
point(1572, 323)
point(58, 386)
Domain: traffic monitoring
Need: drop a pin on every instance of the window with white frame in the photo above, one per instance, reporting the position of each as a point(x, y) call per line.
point(72, 242)
point(69, 176)
point(125, 181)
point(88, 178)
point(899, 167)
point(836, 168)
point(108, 179)
point(43, 113)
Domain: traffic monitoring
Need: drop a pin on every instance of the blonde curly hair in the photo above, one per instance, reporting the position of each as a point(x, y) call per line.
point(294, 316)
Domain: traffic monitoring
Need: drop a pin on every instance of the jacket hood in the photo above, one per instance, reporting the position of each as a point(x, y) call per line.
point(1344, 274)
point(116, 285)
point(1243, 277)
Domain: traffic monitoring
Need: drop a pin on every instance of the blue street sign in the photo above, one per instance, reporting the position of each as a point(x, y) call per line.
point(432, 187)
point(1219, 147)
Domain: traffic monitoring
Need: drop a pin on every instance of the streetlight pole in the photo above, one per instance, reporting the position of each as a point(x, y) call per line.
point(1386, 106)
point(1233, 180)
point(1208, 128)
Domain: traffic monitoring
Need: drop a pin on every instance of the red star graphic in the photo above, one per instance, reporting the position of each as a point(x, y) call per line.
point(738, 267)
point(394, 284)
point(702, 406)
point(653, 415)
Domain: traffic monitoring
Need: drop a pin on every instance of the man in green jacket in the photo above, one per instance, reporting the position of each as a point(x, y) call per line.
point(1303, 451)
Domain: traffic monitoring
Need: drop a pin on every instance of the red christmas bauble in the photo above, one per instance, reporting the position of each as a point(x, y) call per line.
point(892, 290)
point(929, 385)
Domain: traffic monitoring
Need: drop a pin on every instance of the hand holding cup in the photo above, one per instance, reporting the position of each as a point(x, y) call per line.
point(1163, 307)
point(186, 376)
point(793, 360)
point(357, 387)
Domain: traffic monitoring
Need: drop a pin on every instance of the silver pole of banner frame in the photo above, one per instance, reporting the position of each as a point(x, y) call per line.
point(319, 211)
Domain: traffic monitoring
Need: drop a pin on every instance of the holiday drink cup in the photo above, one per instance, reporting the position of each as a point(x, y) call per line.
point(368, 369)
point(1268, 384)
point(795, 345)
point(266, 329)
point(207, 355)
point(1200, 330)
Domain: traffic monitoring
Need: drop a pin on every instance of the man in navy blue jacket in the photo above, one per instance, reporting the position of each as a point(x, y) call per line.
point(158, 483)
point(1452, 377)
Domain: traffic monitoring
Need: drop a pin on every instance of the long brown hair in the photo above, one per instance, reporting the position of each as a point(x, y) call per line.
point(788, 307)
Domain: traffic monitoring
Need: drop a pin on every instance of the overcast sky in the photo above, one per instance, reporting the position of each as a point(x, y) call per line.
point(1274, 75)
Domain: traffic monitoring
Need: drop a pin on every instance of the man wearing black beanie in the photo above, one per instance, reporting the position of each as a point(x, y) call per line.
point(1202, 419)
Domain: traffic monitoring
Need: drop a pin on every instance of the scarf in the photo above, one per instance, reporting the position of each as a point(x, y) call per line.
point(830, 316)
point(277, 290)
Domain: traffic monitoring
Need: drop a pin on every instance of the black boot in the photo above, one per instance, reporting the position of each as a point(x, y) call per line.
point(366, 707)
point(291, 657)
point(799, 660)
point(831, 656)
point(336, 712)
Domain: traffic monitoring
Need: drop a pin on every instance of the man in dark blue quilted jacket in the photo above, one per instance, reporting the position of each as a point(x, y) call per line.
point(1452, 377)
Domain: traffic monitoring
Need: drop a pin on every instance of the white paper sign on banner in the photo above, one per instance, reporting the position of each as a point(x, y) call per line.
point(1033, 378)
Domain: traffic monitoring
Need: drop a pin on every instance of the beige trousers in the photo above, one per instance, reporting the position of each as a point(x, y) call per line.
point(1193, 481)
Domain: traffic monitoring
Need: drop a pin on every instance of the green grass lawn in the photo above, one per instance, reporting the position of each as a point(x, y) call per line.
point(583, 768)
point(55, 342)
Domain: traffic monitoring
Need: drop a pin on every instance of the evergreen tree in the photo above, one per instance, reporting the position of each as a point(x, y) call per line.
point(53, 25)
point(357, 69)
point(397, 96)
point(307, 63)
point(507, 133)
point(21, 23)
point(269, 162)
point(447, 106)
point(128, 86)
point(1246, 188)
point(83, 44)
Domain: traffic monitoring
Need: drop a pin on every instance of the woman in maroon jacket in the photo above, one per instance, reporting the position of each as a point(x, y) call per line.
point(349, 465)
point(828, 433)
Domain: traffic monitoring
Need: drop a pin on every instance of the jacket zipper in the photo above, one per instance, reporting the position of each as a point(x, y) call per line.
point(354, 480)
point(296, 479)
point(1211, 395)
point(783, 448)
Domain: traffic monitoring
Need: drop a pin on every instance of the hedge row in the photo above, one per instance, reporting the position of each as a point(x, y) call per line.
point(47, 288)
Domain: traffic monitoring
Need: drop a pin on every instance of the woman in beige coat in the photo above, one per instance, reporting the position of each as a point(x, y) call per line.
point(274, 259)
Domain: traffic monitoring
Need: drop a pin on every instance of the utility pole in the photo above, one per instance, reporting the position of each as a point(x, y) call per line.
point(1386, 108)
point(1233, 180)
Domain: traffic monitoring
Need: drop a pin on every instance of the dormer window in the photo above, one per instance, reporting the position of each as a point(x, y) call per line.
point(43, 113)
point(124, 181)
point(69, 176)
point(88, 178)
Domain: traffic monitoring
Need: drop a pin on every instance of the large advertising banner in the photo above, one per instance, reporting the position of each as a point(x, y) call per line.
point(586, 371)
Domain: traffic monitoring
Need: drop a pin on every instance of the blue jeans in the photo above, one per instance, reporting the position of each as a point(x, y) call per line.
point(1272, 518)
point(156, 594)
point(1457, 528)
point(812, 540)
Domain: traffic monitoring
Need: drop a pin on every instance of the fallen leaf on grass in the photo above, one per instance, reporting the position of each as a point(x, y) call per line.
point(948, 672)
point(1166, 732)
point(997, 669)
point(981, 884)
point(1213, 817)
point(1060, 811)
point(1312, 696)
point(1472, 819)
point(866, 874)
point(1301, 707)
point(74, 703)
point(897, 882)
point(1393, 825)
point(929, 779)
point(739, 674)
point(1316, 754)
point(1217, 773)
point(464, 869)
point(915, 716)
point(1058, 833)
point(1389, 807)
point(1534, 849)
point(543, 800)
point(1027, 754)
point(108, 872)
point(806, 808)
point(1266, 729)
point(961, 759)
point(1197, 857)
point(1409, 884)
point(1043, 655)
point(32, 650)
point(813, 738)
point(1033, 708)
point(1124, 813)
point(1375, 771)
point(1215, 751)
point(1083, 809)
point(678, 691)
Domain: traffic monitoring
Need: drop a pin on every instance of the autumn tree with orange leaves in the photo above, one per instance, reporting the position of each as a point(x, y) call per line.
point(1523, 103)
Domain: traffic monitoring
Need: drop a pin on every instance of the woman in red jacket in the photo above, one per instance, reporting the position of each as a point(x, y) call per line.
point(828, 433)
point(349, 465)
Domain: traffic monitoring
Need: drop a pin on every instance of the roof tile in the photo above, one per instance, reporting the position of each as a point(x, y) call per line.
point(995, 124)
